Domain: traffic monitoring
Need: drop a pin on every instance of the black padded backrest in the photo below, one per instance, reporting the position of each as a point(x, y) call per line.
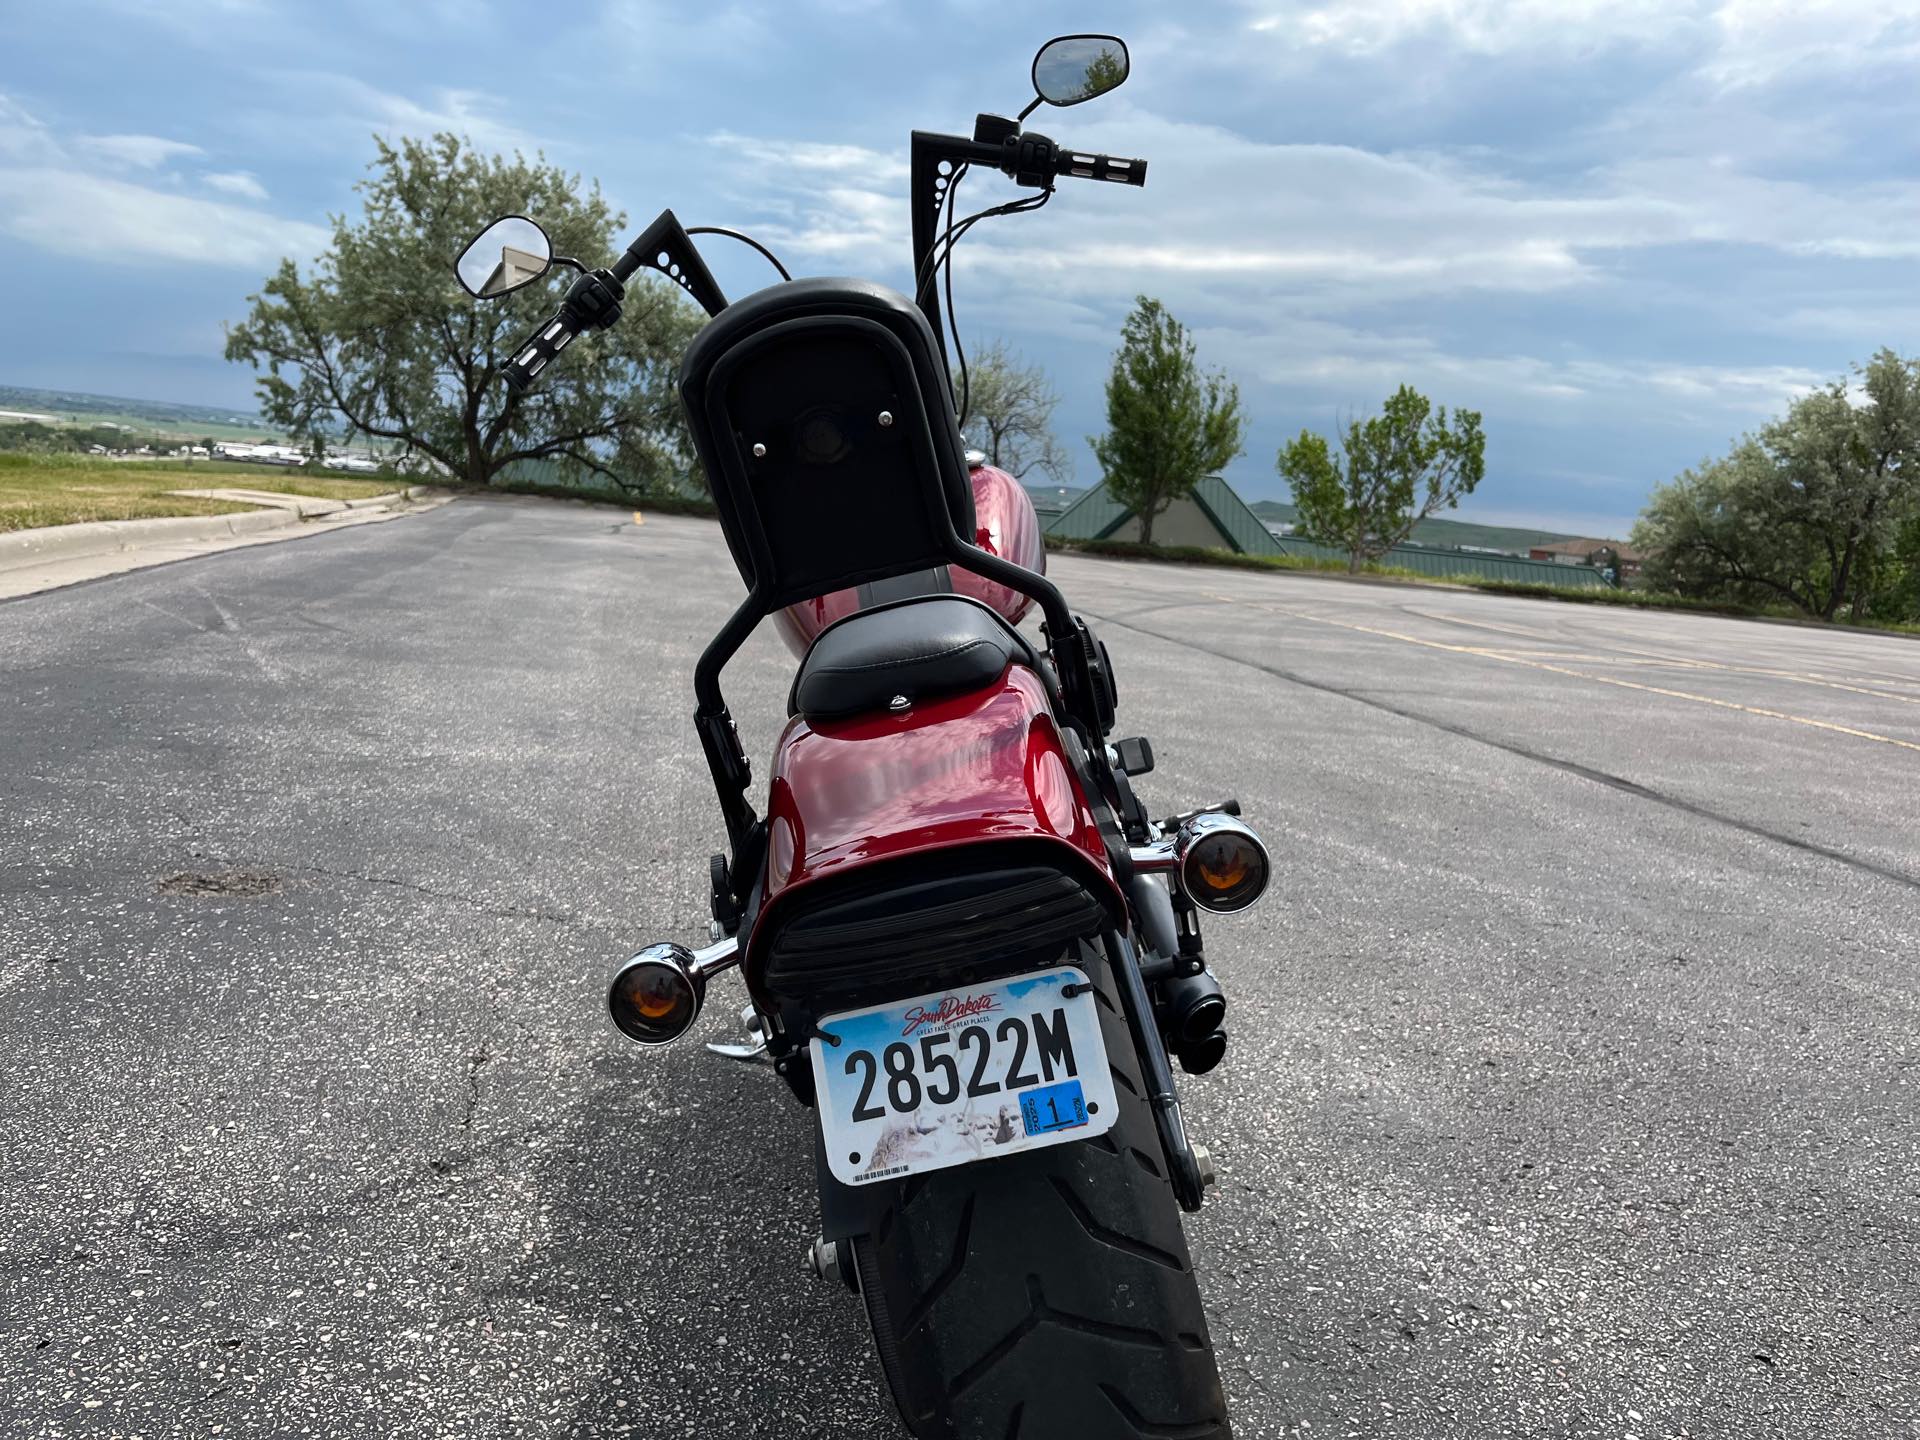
point(863, 475)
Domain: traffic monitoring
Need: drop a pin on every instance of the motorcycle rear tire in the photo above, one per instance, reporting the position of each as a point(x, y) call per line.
point(1048, 1294)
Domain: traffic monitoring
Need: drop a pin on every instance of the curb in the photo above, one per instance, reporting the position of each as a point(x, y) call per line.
point(22, 548)
point(411, 493)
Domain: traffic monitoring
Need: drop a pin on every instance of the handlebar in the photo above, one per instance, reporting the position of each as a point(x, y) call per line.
point(1034, 159)
point(1086, 166)
point(592, 303)
point(539, 348)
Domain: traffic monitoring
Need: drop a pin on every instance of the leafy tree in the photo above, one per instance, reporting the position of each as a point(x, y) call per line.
point(1812, 510)
point(1104, 73)
point(1396, 469)
point(378, 340)
point(1010, 413)
point(1168, 424)
point(1707, 533)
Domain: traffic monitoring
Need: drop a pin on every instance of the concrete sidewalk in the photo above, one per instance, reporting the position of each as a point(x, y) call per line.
point(46, 559)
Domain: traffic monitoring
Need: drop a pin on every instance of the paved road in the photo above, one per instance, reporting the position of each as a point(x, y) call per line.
point(1572, 1091)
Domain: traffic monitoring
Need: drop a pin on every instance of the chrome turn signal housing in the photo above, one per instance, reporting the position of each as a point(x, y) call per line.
point(656, 996)
point(1223, 867)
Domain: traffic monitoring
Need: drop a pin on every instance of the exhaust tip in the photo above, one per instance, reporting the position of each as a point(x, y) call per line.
point(656, 996)
point(1199, 1056)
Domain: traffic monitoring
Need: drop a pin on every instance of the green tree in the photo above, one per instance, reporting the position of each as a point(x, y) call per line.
point(1811, 510)
point(1167, 423)
point(1395, 469)
point(1104, 72)
point(378, 340)
point(1010, 414)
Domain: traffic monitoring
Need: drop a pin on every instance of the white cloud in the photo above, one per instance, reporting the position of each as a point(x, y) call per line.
point(22, 137)
point(850, 161)
point(139, 152)
point(1734, 42)
point(1479, 26)
point(236, 182)
point(1758, 42)
point(353, 108)
point(103, 218)
point(1323, 226)
point(72, 197)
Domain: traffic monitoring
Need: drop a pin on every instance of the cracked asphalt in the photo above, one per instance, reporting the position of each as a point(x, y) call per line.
point(1573, 1077)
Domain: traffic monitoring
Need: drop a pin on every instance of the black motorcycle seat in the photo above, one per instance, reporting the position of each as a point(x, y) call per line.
point(898, 655)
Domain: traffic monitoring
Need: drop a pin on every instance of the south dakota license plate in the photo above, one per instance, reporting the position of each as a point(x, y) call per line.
point(963, 1075)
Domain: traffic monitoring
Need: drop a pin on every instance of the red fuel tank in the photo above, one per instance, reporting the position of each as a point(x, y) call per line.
point(1004, 524)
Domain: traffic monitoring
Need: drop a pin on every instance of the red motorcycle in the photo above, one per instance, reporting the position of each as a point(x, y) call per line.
point(966, 945)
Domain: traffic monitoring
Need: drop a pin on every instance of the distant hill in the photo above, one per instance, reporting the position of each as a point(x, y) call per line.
point(1454, 533)
point(78, 406)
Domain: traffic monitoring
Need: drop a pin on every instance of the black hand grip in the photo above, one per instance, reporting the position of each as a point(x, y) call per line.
point(1084, 166)
point(539, 348)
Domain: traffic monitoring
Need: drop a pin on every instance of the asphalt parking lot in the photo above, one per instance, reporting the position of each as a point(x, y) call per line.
point(1572, 1088)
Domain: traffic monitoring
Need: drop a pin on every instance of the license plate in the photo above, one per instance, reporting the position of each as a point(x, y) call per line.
point(965, 1075)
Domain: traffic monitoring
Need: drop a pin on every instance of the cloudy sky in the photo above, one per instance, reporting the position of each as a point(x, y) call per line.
point(1625, 230)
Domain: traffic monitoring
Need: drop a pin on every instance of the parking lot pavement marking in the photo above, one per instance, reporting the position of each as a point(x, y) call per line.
point(1508, 659)
point(1691, 662)
point(1628, 655)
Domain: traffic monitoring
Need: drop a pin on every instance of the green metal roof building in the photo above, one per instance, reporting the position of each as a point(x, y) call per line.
point(1213, 517)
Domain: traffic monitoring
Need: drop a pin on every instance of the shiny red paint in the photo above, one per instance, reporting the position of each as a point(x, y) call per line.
point(982, 767)
point(1005, 525)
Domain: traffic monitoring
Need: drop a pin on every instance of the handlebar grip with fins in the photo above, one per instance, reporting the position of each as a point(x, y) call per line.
point(1085, 166)
point(538, 349)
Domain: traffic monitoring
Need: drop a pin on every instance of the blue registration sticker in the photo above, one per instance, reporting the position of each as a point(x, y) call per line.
point(1054, 1107)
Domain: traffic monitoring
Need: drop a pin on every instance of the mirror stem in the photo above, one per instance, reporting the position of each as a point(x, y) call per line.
point(570, 263)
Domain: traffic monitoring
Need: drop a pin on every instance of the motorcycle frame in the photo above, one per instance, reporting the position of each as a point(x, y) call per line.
point(1070, 648)
point(720, 740)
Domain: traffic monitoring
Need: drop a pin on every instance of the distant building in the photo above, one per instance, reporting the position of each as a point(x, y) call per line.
point(1582, 552)
point(516, 267)
point(1212, 517)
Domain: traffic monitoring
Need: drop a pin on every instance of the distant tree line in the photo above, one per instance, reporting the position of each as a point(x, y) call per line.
point(1819, 510)
point(39, 438)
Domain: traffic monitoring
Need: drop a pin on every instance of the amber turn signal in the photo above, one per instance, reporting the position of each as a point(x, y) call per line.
point(656, 996)
point(1223, 865)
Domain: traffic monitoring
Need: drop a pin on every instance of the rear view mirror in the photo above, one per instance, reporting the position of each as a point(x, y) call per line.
point(509, 253)
point(1076, 68)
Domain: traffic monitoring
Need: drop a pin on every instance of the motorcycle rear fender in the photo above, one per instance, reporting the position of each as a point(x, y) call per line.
point(984, 768)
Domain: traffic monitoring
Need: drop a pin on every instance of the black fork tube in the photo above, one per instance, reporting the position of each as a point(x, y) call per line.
point(1183, 1168)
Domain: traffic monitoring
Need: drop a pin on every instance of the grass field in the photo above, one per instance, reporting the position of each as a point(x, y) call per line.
point(38, 490)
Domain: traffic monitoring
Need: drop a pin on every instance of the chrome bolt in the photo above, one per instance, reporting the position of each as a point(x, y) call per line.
point(1203, 1161)
point(823, 1258)
point(759, 451)
point(886, 418)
